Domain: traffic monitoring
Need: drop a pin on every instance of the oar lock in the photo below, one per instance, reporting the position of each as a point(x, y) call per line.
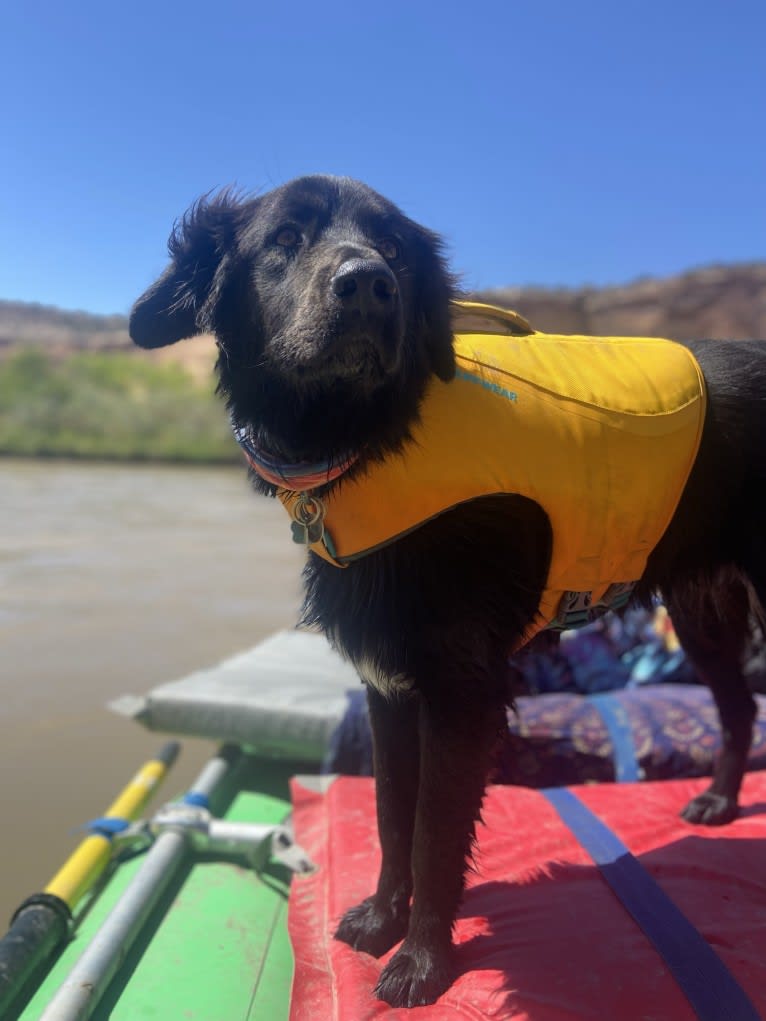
point(258, 843)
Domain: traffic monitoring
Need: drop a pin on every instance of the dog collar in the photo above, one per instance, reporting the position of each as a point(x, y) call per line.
point(297, 476)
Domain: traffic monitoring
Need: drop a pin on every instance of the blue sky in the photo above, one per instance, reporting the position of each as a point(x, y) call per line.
point(549, 142)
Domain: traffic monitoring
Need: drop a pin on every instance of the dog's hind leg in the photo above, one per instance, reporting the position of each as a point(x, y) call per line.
point(380, 921)
point(712, 625)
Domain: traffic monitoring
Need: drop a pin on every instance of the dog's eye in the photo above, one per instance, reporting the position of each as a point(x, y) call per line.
point(288, 237)
point(389, 249)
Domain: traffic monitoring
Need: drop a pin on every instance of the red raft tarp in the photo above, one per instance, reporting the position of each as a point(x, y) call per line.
point(541, 936)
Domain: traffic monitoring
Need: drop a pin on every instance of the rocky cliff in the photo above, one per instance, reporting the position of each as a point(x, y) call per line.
point(718, 301)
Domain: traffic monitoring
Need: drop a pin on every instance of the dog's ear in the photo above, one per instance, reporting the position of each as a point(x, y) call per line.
point(180, 303)
point(439, 288)
point(440, 347)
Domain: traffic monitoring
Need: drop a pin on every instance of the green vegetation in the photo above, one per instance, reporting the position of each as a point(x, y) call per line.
point(107, 405)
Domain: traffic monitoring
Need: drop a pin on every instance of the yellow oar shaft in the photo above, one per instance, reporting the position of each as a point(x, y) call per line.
point(89, 860)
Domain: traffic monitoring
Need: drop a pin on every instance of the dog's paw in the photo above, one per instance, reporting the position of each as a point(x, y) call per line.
point(415, 977)
point(710, 809)
point(367, 928)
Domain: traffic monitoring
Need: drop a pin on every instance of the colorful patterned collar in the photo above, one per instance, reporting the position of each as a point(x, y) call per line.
point(298, 476)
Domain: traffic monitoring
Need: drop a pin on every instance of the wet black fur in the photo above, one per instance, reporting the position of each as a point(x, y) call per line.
point(315, 376)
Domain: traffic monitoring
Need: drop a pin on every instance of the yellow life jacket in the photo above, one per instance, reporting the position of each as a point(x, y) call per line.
point(601, 432)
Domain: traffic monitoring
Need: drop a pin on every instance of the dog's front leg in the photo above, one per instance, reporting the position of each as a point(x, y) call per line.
point(380, 921)
point(456, 744)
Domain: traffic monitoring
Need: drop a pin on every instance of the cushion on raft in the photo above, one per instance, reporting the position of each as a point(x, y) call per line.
point(541, 936)
point(652, 732)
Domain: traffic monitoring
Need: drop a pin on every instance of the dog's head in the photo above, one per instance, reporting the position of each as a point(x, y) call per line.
point(329, 306)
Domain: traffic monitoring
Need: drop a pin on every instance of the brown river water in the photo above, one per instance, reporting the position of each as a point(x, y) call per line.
point(114, 579)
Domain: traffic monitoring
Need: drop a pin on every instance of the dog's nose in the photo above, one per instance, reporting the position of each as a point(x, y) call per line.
point(365, 283)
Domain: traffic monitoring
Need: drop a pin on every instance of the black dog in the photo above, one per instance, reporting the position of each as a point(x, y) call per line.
point(331, 311)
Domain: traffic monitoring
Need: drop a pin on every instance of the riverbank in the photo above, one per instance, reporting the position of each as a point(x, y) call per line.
point(109, 406)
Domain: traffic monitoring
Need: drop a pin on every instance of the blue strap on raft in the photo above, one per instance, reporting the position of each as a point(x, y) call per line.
point(707, 983)
point(626, 768)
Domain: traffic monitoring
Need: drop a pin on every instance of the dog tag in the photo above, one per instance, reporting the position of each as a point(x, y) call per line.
point(308, 520)
point(300, 533)
point(316, 531)
point(306, 535)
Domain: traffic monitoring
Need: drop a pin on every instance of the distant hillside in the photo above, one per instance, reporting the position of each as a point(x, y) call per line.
point(718, 301)
point(60, 333)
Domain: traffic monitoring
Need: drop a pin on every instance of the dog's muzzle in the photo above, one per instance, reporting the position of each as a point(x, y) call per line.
point(365, 285)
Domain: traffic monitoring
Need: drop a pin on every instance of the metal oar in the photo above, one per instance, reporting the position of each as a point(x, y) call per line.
point(177, 829)
point(43, 922)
